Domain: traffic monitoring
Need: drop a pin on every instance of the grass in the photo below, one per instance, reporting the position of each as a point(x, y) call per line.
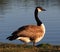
point(5, 47)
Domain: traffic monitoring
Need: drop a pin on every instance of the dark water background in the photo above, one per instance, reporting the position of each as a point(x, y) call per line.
point(16, 13)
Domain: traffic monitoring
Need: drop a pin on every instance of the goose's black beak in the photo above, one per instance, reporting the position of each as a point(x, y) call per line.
point(43, 10)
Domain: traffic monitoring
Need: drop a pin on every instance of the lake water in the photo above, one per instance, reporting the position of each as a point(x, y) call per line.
point(16, 13)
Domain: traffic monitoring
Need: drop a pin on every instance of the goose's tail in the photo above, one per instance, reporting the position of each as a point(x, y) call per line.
point(12, 37)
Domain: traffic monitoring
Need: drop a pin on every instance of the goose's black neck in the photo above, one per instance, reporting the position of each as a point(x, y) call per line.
point(36, 18)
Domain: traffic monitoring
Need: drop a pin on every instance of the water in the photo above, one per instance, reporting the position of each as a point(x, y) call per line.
point(16, 13)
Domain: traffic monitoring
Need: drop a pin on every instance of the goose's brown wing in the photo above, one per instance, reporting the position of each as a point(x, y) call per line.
point(19, 30)
point(29, 31)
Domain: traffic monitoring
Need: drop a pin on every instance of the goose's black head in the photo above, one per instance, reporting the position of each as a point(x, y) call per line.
point(39, 9)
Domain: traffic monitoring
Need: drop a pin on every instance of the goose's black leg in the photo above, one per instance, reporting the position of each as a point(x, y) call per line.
point(34, 44)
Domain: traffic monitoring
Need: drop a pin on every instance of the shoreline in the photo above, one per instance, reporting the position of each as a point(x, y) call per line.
point(7, 47)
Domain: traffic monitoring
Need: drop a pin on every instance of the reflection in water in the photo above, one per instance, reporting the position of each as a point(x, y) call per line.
point(15, 13)
point(3, 6)
point(7, 4)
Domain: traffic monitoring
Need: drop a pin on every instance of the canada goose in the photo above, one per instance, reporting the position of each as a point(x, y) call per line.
point(30, 33)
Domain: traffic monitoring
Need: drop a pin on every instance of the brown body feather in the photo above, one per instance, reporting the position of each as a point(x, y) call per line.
point(31, 31)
